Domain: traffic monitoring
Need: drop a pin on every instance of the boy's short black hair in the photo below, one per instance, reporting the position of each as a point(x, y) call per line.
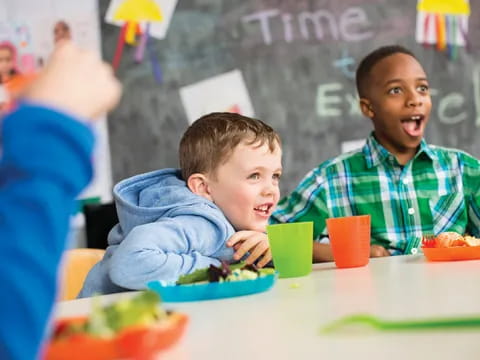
point(369, 61)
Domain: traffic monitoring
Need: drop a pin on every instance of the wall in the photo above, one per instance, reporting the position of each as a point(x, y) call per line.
point(297, 59)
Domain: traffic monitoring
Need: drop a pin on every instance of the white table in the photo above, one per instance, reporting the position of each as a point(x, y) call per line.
point(284, 322)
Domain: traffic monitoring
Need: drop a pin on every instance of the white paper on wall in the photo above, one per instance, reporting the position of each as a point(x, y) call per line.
point(29, 25)
point(225, 92)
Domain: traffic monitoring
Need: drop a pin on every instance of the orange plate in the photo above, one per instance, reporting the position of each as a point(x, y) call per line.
point(135, 342)
point(452, 253)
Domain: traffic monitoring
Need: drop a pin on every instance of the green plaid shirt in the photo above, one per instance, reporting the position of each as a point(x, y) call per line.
point(437, 191)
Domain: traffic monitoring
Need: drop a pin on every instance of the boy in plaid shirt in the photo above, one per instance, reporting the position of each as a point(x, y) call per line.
point(408, 187)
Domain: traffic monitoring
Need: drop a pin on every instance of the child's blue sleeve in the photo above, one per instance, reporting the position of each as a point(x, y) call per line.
point(44, 165)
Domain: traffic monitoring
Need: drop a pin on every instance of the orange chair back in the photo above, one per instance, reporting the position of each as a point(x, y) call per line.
point(76, 265)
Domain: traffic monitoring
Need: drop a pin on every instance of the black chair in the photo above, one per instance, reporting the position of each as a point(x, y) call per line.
point(99, 220)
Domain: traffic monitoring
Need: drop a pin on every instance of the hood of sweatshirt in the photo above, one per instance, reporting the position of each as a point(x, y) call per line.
point(147, 197)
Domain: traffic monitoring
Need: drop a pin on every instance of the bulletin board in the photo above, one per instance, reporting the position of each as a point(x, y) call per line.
point(34, 27)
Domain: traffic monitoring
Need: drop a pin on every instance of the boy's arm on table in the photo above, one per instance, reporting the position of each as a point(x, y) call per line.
point(323, 252)
point(254, 243)
point(162, 250)
point(378, 251)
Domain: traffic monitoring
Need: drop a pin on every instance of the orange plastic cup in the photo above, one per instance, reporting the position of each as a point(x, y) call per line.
point(350, 240)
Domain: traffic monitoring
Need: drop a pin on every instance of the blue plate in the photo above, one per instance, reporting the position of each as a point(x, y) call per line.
point(209, 291)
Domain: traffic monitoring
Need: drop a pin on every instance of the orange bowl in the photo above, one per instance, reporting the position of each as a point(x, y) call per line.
point(143, 342)
point(135, 342)
point(452, 253)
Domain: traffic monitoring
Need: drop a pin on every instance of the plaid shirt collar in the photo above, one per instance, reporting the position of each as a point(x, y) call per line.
point(376, 154)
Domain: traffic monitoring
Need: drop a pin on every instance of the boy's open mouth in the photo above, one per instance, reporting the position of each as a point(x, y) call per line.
point(412, 125)
point(263, 209)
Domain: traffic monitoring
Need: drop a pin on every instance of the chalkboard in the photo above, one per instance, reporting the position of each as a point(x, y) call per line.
point(297, 59)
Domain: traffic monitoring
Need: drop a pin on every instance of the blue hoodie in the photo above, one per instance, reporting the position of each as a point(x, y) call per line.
point(164, 231)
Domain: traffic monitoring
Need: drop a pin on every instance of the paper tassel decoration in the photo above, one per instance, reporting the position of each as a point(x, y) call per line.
point(443, 24)
point(134, 12)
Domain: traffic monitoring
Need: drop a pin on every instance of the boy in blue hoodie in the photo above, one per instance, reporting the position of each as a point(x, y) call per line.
point(172, 222)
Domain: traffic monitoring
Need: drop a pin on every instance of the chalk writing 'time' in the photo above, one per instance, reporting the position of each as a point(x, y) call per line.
point(351, 25)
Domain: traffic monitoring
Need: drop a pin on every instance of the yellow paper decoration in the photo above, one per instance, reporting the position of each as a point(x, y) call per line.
point(445, 7)
point(133, 12)
point(131, 32)
point(443, 23)
point(138, 10)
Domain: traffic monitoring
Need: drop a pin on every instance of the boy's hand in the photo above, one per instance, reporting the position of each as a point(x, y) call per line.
point(76, 81)
point(378, 251)
point(254, 242)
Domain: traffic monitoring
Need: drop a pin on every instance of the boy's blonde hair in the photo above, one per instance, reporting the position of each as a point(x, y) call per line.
point(211, 139)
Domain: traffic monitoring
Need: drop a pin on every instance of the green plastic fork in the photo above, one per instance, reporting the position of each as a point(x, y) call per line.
point(353, 321)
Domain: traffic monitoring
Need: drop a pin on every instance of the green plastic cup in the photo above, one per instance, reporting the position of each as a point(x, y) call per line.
point(292, 246)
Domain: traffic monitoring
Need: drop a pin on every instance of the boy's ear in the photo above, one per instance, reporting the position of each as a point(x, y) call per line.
point(366, 107)
point(198, 184)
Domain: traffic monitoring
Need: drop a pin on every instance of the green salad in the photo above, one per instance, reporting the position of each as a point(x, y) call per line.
point(225, 272)
point(106, 321)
